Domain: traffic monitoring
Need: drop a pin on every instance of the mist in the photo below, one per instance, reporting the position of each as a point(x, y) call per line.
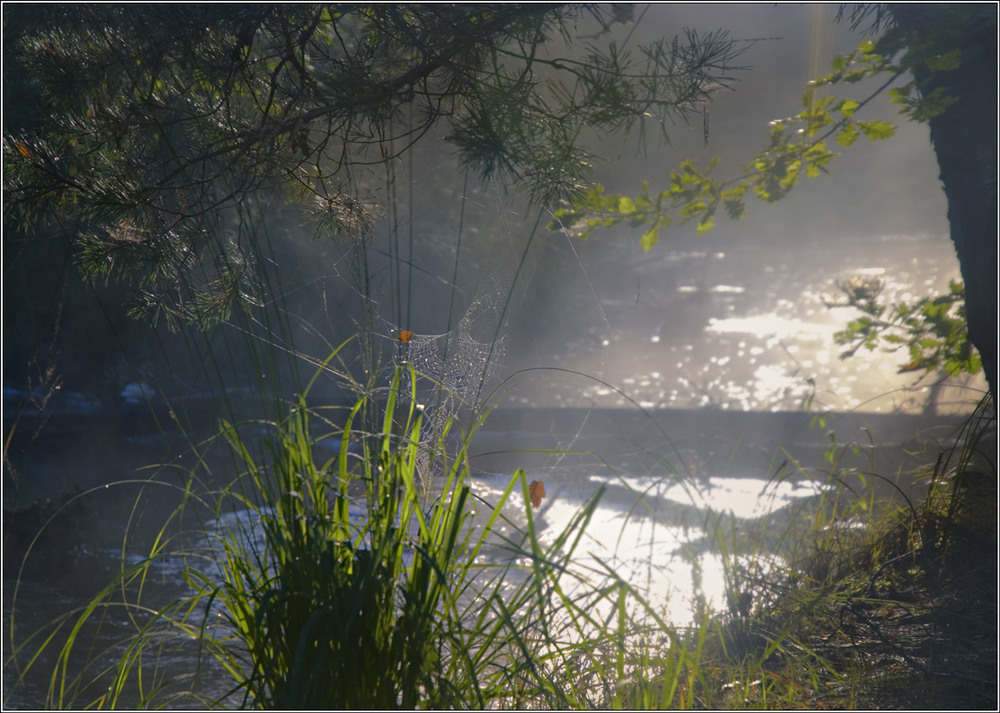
point(599, 364)
point(734, 319)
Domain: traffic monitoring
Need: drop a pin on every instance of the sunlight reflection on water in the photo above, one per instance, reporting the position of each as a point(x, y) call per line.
point(751, 328)
point(664, 551)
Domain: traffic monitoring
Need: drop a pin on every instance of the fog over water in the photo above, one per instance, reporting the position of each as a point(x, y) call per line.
point(735, 319)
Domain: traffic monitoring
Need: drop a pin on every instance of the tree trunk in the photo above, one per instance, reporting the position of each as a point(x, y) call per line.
point(965, 142)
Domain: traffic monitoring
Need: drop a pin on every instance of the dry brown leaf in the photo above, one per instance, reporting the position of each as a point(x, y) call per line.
point(536, 489)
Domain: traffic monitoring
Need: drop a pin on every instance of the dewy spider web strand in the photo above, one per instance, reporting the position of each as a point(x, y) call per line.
point(455, 363)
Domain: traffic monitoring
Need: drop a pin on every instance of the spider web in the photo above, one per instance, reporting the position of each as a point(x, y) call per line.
point(456, 370)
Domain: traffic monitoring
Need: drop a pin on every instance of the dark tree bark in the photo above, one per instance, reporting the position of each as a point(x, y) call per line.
point(965, 142)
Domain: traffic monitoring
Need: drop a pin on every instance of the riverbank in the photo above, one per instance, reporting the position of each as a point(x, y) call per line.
point(900, 614)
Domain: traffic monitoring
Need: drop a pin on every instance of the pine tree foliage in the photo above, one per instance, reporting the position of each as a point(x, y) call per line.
point(158, 125)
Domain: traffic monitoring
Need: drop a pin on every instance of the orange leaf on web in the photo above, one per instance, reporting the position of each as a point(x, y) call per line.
point(405, 336)
point(536, 489)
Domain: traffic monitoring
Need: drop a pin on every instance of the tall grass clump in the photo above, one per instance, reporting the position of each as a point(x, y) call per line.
point(335, 611)
point(372, 589)
point(367, 591)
